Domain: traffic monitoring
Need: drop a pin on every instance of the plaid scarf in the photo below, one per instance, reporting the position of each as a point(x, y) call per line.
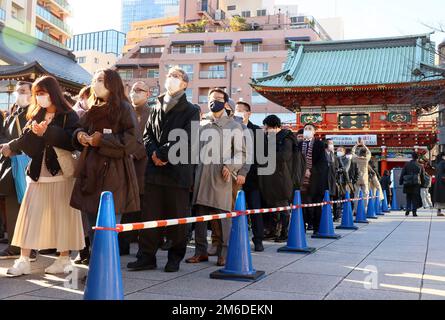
point(308, 147)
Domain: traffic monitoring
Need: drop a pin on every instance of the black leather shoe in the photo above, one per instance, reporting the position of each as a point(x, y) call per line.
point(407, 213)
point(259, 247)
point(141, 264)
point(171, 267)
point(9, 253)
point(415, 214)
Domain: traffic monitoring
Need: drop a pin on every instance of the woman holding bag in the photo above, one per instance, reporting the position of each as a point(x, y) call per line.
point(46, 219)
point(107, 136)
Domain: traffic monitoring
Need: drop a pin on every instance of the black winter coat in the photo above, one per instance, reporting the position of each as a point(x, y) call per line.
point(158, 127)
point(439, 187)
point(9, 132)
point(412, 168)
point(279, 186)
point(319, 174)
point(252, 182)
point(58, 134)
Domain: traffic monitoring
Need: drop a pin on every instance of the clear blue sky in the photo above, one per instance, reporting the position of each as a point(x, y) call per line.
point(362, 18)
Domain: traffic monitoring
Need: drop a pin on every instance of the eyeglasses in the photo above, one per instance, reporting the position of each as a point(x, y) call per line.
point(138, 90)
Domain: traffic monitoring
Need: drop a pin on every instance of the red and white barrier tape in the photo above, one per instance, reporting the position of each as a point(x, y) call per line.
point(174, 222)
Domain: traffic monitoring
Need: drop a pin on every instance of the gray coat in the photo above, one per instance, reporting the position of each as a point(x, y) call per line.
point(210, 189)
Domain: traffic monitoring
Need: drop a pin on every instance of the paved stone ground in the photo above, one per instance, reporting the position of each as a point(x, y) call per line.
point(406, 255)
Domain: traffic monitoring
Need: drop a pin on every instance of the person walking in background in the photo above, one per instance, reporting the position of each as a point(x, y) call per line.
point(12, 129)
point(277, 189)
point(163, 179)
point(412, 178)
point(107, 137)
point(425, 192)
point(139, 95)
point(212, 193)
point(439, 186)
point(46, 219)
point(385, 183)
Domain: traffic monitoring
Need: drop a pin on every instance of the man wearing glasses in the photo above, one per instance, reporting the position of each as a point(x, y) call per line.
point(167, 185)
point(139, 95)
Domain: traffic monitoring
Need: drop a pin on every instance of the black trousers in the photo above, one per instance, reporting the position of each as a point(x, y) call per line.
point(253, 199)
point(312, 215)
point(126, 238)
point(161, 203)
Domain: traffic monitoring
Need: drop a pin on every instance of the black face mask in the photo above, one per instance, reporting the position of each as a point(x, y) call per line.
point(216, 106)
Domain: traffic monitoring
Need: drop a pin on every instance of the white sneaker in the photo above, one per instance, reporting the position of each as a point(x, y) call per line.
point(21, 266)
point(59, 266)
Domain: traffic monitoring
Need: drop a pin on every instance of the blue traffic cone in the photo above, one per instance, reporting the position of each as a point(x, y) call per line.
point(296, 241)
point(361, 212)
point(104, 281)
point(385, 208)
point(326, 229)
point(378, 204)
point(347, 220)
point(370, 214)
point(239, 258)
point(394, 204)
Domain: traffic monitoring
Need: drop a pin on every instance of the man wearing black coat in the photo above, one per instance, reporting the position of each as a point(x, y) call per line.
point(412, 178)
point(167, 185)
point(277, 189)
point(11, 130)
point(315, 182)
point(251, 186)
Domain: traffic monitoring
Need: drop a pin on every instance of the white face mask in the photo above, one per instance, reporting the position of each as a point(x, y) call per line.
point(340, 154)
point(172, 85)
point(43, 101)
point(100, 90)
point(331, 147)
point(22, 100)
point(308, 134)
point(136, 98)
point(239, 114)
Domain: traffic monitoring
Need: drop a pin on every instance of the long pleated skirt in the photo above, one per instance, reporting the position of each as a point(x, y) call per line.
point(46, 219)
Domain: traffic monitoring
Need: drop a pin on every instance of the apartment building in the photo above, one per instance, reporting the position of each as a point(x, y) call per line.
point(42, 19)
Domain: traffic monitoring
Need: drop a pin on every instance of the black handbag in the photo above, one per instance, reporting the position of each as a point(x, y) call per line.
point(411, 180)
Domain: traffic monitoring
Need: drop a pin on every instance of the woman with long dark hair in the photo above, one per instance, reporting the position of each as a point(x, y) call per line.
point(107, 136)
point(46, 219)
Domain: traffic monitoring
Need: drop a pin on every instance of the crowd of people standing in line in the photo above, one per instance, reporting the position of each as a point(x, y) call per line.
point(122, 145)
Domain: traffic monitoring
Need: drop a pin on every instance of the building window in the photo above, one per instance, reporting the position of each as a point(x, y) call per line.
point(257, 98)
point(188, 68)
point(153, 73)
point(96, 60)
point(223, 48)
point(217, 71)
point(203, 99)
point(151, 50)
point(245, 14)
point(231, 8)
point(189, 94)
point(251, 47)
point(81, 60)
point(188, 49)
point(261, 13)
point(260, 70)
point(126, 74)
